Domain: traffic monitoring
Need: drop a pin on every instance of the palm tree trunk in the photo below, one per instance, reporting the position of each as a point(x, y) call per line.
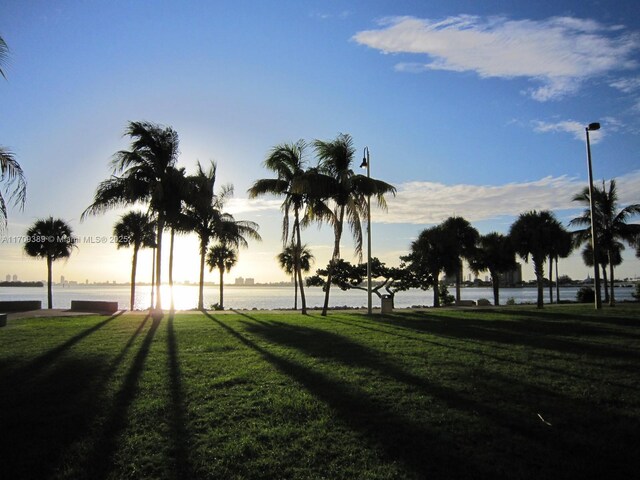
point(134, 264)
point(557, 284)
point(295, 291)
point(612, 299)
point(298, 267)
point(606, 284)
point(495, 283)
point(458, 281)
point(539, 271)
point(159, 262)
point(173, 235)
point(334, 259)
point(49, 275)
point(550, 279)
point(222, 288)
point(203, 251)
point(436, 290)
point(153, 276)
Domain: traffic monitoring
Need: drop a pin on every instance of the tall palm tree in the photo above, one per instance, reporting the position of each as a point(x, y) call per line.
point(143, 175)
point(51, 239)
point(292, 260)
point(610, 224)
point(203, 213)
point(496, 254)
point(177, 194)
point(134, 229)
point(347, 191)
point(288, 163)
point(224, 258)
point(461, 243)
point(532, 236)
point(10, 170)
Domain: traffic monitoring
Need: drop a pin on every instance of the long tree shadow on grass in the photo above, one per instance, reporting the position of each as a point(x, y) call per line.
point(42, 415)
point(478, 348)
point(100, 461)
point(179, 436)
point(507, 403)
point(543, 335)
point(424, 450)
point(49, 357)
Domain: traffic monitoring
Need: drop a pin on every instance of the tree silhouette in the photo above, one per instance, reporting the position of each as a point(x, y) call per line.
point(292, 260)
point(496, 254)
point(136, 230)
point(51, 239)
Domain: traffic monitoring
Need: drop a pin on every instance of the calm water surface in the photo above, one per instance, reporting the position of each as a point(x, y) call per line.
point(186, 296)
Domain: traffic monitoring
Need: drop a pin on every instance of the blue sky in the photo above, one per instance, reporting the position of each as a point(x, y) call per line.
point(469, 108)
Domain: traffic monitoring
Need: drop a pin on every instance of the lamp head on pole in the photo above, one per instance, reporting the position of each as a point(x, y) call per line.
point(365, 158)
point(593, 126)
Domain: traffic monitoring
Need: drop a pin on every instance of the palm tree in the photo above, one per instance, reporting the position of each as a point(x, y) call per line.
point(10, 170)
point(146, 172)
point(178, 192)
point(532, 236)
point(10, 173)
point(496, 254)
point(461, 243)
point(429, 257)
point(291, 259)
point(348, 192)
point(223, 258)
point(203, 213)
point(4, 54)
point(136, 230)
point(603, 260)
point(52, 239)
point(287, 162)
point(610, 225)
point(561, 247)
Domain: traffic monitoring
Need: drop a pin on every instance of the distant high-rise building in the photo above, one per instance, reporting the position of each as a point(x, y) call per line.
point(239, 281)
point(62, 279)
point(8, 278)
point(511, 278)
point(249, 281)
point(15, 277)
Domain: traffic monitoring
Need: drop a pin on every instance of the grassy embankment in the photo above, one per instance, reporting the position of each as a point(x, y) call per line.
point(511, 392)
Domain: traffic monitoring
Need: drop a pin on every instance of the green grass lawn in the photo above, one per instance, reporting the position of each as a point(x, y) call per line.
point(496, 393)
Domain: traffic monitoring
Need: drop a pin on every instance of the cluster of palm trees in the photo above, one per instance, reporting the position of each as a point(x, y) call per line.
point(535, 235)
point(329, 192)
point(147, 174)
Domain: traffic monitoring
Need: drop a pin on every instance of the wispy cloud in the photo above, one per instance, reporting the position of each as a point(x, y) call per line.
point(429, 202)
point(627, 85)
point(559, 53)
point(568, 126)
point(426, 203)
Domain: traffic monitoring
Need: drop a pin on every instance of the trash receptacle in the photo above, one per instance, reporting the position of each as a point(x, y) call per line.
point(387, 304)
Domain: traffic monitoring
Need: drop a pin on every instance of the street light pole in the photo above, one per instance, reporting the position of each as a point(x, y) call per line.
point(594, 241)
point(366, 162)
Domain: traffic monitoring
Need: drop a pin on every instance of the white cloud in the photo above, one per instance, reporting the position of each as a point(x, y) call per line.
point(577, 129)
point(244, 205)
point(424, 203)
point(627, 85)
point(429, 202)
point(559, 52)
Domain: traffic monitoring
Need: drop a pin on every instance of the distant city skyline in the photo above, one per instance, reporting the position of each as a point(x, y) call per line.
point(475, 109)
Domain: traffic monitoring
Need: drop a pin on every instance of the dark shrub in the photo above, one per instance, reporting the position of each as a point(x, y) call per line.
point(585, 295)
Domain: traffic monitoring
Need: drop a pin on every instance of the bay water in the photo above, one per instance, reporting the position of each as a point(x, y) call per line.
point(269, 297)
